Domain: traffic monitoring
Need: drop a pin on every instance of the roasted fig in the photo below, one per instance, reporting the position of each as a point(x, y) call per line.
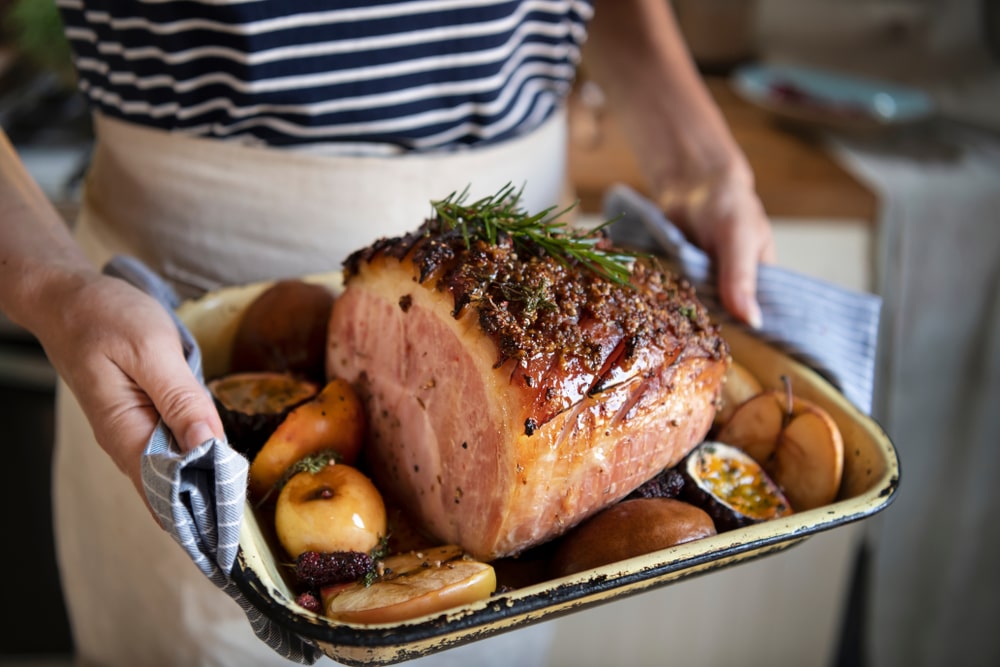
point(731, 486)
point(284, 330)
point(252, 405)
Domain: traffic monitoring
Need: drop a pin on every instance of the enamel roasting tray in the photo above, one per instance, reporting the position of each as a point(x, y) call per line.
point(870, 481)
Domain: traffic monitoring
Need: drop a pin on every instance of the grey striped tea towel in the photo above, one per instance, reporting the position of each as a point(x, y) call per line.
point(831, 329)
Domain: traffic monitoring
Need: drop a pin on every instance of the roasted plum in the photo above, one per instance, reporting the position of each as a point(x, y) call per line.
point(627, 529)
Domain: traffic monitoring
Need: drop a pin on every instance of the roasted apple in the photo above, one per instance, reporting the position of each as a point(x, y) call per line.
point(252, 405)
point(412, 584)
point(731, 486)
point(334, 509)
point(627, 529)
point(795, 440)
point(284, 329)
point(333, 421)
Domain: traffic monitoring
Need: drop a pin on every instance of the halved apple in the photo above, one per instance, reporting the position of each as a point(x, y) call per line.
point(796, 441)
point(410, 585)
point(738, 386)
point(808, 460)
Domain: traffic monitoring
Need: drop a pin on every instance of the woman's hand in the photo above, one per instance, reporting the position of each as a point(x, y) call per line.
point(721, 213)
point(116, 347)
point(697, 172)
point(120, 353)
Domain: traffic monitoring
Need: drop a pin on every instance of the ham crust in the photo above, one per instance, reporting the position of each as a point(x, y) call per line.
point(511, 395)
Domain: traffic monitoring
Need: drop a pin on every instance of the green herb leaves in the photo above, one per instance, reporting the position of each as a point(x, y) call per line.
point(492, 217)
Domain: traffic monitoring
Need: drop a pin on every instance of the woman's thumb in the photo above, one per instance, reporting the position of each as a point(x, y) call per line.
point(190, 414)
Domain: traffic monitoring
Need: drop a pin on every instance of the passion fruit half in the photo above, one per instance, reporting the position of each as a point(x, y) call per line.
point(252, 405)
point(731, 486)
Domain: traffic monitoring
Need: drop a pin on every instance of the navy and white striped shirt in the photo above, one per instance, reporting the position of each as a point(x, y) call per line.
point(345, 76)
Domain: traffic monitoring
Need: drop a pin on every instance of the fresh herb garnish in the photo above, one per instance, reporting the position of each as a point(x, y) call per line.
point(378, 553)
point(312, 463)
point(500, 214)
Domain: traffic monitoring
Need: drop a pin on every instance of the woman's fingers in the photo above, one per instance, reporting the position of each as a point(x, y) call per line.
point(725, 218)
point(740, 249)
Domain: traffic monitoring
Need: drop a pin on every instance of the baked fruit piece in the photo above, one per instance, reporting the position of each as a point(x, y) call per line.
point(253, 404)
point(514, 383)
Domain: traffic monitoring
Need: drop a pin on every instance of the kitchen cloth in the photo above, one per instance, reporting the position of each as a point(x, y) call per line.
point(199, 496)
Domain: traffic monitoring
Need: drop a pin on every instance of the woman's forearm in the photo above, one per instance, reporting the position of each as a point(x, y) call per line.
point(36, 247)
point(695, 169)
point(636, 53)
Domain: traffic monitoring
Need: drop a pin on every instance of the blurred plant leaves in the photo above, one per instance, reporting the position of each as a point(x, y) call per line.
point(36, 29)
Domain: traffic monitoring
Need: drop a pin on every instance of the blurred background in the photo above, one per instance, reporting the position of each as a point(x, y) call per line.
point(873, 127)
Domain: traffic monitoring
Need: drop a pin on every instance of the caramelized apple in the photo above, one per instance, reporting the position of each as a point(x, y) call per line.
point(410, 585)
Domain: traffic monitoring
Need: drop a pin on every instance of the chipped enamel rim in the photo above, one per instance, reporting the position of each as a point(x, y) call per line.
point(871, 479)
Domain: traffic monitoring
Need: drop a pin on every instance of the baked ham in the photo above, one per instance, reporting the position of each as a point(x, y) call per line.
point(513, 392)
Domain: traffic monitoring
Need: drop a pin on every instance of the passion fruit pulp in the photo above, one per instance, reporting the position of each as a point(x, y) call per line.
point(731, 486)
point(252, 405)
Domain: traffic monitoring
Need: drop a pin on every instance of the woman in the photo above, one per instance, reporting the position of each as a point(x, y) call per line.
point(251, 140)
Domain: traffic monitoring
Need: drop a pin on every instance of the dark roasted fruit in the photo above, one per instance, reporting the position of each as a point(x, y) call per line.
point(309, 602)
point(316, 569)
point(668, 483)
point(732, 487)
point(252, 405)
point(284, 330)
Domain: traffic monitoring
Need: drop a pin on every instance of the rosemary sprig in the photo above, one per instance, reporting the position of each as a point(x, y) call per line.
point(490, 217)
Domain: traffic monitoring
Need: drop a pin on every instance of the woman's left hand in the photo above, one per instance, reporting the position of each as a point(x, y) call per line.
point(721, 213)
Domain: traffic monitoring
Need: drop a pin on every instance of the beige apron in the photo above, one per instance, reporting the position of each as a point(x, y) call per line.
point(206, 213)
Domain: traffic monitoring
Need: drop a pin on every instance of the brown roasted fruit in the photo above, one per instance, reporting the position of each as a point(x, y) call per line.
point(731, 486)
point(412, 584)
point(284, 329)
point(795, 440)
point(740, 385)
point(628, 529)
point(252, 405)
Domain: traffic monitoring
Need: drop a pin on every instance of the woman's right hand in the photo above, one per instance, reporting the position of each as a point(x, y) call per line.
point(119, 352)
point(116, 347)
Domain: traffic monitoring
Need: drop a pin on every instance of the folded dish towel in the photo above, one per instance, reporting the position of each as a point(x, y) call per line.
point(199, 496)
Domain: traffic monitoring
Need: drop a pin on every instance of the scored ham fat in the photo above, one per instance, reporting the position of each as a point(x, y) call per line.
point(512, 395)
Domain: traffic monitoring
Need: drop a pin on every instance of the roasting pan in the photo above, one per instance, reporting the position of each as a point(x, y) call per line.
point(871, 478)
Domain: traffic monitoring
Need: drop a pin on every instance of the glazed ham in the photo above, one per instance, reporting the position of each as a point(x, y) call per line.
point(512, 393)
